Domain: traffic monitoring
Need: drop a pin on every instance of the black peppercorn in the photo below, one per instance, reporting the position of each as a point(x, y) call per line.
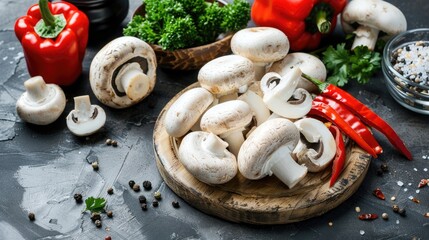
point(395, 208)
point(147, 185)
point(136, 188)
point(31, 216)
point(384, 167)
point(402, 212)
point(95, 216)
point(78, 198)
point(109, 214)
point(131, 183)
point(110, 191)
point(114, 143)
point(144, 206)
point(379, 172)
point(98, 223)
point(175, 204)
point(142, 199)
point(155, 203)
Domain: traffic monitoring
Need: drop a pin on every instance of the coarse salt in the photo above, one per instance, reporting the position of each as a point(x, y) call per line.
point(362, 232)
point(400, 183)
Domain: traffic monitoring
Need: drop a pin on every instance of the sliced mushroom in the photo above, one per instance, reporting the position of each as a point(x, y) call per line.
point(262, 45)
point(268, 150)
point(282, 97)
point(228, 120)
point(308, 64)
point(186, 111)
point(205, 156)
point(226, 75)
point(42, 103)
point(85, 119)
point(317, 147)
point(123, 72)
point(257, 105)
point(372, 16)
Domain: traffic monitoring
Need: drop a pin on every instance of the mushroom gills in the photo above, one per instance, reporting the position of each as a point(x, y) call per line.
point(85, 119)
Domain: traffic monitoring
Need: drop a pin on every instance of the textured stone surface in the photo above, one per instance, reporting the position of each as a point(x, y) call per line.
point(42, 167)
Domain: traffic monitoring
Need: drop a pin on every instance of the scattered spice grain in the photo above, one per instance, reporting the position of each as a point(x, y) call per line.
point(155, 203)
point(98, 223)
point(95, 216)
point(142, 199)
point(147, 185)
point(131, 183)
point(368, 216)
point(108, 238)
point(109, 214)
point(136, 188)
point(78, 198)
point(143, 206)
point(110, 191)
point(157, 195)
point(379, 194)
point(385, 216)
point(395, 208)
point(95, 166)
point(175, 204)
point(108, 141)
point(114, 143)
point(31, 216)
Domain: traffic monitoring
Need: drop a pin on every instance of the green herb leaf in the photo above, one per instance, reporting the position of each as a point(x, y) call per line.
point(95, 204)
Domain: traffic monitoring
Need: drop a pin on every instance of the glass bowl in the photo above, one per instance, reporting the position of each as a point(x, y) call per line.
point(405, 66)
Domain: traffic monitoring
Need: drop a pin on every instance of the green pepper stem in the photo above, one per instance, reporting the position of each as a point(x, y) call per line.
point(47, 16)
point(323, 24)
point(321, 85)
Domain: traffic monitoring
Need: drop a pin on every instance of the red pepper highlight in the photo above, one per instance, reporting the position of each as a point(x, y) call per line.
point(304, 22)
point(368, 216)
point(340, 155)
point(364, 113)
point(353, 121)
point(379, 194)
point(57, 57)
point(325, 111)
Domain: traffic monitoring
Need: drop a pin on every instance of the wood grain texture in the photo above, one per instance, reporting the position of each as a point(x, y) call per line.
point(265, 201)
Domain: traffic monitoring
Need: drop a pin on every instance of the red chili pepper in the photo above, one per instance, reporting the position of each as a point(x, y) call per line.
point(423, 182)
point(379, 194)
point(366, 115)
point(368, 216)
point(304, 22)
point(325, 111)
point(54, 38)
point(340, 155)
point(353, 121)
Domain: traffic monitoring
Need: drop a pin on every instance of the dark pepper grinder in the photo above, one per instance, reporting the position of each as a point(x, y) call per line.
point(105, 16)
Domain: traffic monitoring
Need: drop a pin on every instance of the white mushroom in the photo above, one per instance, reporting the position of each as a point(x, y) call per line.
point(226, 75)
point(85, 119)
point(262, 45)
point(228, 120)
point(317, 147)
point(186, 111)
point(268, 151)
point(205, 156)
point(42, 103)
point(123, 72)
point(279, 90)
point(372, 16)
point(257, 105)
point(308, 64)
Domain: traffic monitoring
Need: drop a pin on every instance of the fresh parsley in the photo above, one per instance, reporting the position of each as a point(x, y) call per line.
point(95, 204)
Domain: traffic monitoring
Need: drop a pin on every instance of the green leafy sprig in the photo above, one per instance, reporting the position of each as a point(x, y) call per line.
point(95, 204)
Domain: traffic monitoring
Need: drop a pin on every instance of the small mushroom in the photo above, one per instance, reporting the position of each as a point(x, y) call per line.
point(317, 147)
point(279, 90)
point(228, 120)
point(268, 151)
point(42, 103)
point(262, 45)
point(308, 64)
point(186, 111)
point(205, 156)
point(123, 72)
point(85, 119)
point(372, 16)
point(226, 75)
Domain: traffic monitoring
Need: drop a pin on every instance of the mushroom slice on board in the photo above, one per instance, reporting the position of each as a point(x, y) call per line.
point(262, 45)
point(186, 111)
point(268, 150)
point(123, 72)
point(85, 119)
point(260, 110)
point(205, 156)
point(228, 120)
point(42, 103)
point(226, 75)
point(317, 147)
point(309, 64)
point(282, 97)
point(372, 16)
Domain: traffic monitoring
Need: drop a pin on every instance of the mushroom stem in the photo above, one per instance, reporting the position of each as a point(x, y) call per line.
point(132, 81)
point(365, 36)
point(36, 88)
point(282, 165)
point(82, 106)
point(260, 110)
point(234, 139)
point(260, 70)
point(214, 145)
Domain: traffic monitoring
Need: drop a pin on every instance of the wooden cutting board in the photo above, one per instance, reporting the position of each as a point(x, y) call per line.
point(264, 201)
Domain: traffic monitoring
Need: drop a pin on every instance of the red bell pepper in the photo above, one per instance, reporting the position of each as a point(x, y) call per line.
point(54, 38)
point(303, 21)
point(340, 156)
point(364, 113)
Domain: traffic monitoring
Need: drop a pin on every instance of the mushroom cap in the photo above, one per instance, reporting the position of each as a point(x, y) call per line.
point(260, 44)
point(41, 111)
point(256, 150)
point(226, 74)
point(376, 14)
point(107, 64)
point(308, 64)
point(86, 119)
point(226, 117)
point(212, 166)
point(186, 111)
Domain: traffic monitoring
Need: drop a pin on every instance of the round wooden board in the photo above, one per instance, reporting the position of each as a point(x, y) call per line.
point(265, 201)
